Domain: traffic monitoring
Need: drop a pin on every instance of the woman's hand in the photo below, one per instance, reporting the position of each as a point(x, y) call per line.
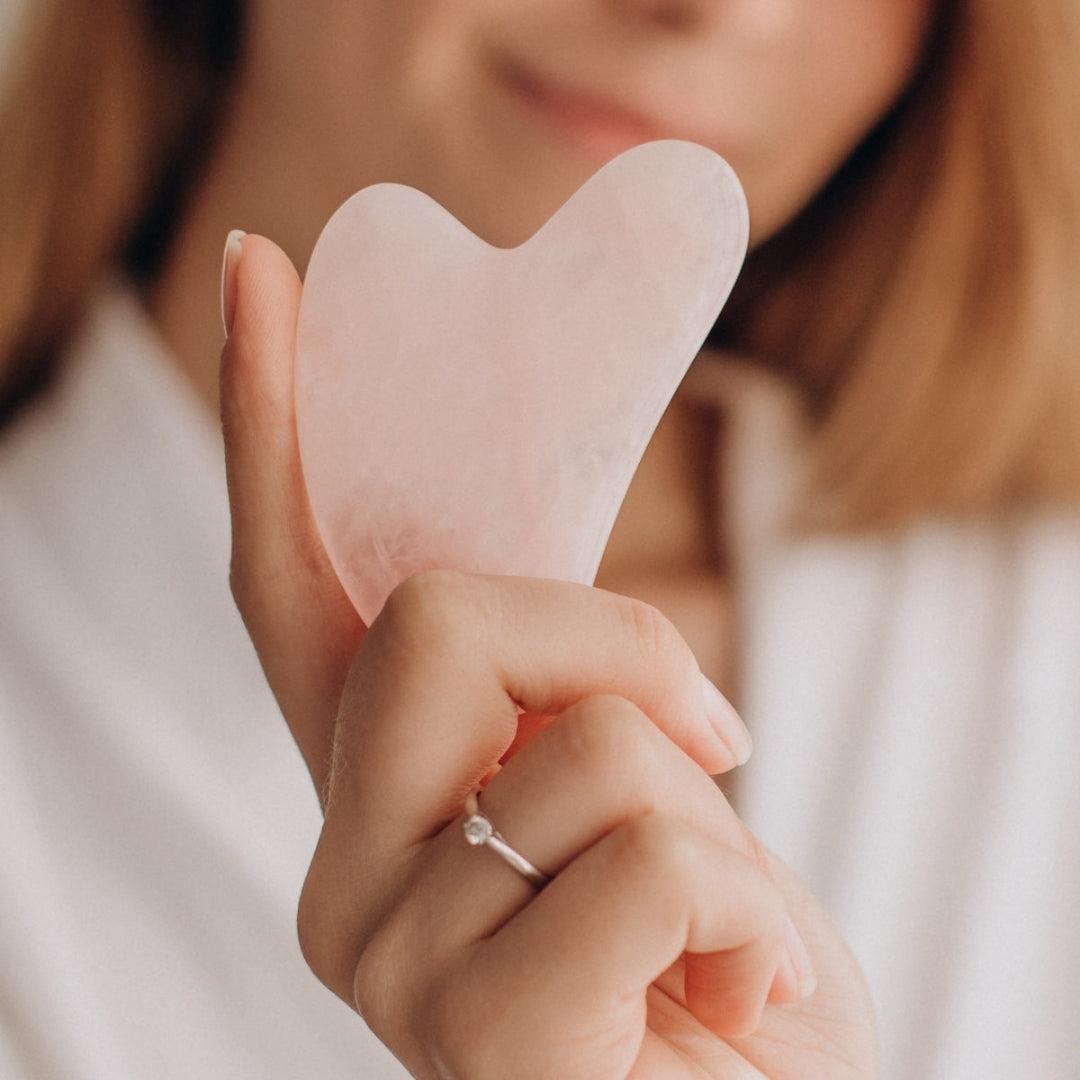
point(666, 928)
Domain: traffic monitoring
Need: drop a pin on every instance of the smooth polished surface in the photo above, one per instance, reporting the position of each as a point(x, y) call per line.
point(467, 407)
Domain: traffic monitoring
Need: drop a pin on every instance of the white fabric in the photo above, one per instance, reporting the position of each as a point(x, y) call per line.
point(915, 701)
point(915, 705)
point(155, 818)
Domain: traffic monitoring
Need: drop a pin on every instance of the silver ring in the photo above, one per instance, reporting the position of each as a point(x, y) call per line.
point(479, 832)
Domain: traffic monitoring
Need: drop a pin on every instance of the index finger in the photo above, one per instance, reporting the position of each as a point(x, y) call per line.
point(433, 697)
point(304, 627)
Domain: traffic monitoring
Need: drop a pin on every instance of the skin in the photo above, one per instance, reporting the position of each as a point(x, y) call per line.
point(434, 93)
point(669, 943)
point(500, 109)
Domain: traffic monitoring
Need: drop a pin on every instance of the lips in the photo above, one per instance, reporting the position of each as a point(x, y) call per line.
point(596, 123)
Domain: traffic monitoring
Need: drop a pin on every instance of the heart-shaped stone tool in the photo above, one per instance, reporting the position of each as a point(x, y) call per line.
point(463, 406)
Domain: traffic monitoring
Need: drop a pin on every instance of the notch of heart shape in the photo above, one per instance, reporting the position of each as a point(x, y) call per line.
point(462, 406)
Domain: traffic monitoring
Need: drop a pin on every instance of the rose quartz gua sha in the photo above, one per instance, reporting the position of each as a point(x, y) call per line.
point(463, 406)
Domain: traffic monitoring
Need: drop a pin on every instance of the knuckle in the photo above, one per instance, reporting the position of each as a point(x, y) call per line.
point(755, 851)
point(432, 610)
point(601, 735)
point(449, 1030)
point(368, 968)
point(667, 857)
point(649, 627)
point(317, 933)
point(662, 848)
point(378, 986)
point(241, 585)
point(655, 637)
point(331, 926)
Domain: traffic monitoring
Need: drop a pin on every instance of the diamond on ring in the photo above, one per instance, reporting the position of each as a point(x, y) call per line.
point(478, 829)
point(479, 832)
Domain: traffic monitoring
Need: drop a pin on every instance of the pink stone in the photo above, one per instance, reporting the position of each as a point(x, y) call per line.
point(464, 406)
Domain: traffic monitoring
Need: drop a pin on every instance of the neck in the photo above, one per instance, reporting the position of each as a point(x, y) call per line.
point(665, 548)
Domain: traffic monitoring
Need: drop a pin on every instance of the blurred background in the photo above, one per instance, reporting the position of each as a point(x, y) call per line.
point(9, 16)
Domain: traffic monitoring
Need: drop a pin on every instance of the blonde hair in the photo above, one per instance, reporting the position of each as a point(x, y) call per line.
point(923, 302)
point(107, 108)
point(927, 302)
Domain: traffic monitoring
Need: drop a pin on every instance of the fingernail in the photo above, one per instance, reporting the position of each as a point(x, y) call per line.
point(233, 249)
point(726, 723)
point(799, 958)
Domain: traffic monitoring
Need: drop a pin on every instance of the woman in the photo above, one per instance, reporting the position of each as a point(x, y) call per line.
point(900, 162)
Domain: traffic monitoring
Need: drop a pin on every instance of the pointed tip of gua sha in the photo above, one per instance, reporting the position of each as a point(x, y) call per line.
point(462, 406)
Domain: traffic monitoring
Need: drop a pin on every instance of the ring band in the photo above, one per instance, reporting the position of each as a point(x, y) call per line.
point(479, 832)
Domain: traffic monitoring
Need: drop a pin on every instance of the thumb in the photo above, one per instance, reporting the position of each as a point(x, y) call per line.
point(304, 627)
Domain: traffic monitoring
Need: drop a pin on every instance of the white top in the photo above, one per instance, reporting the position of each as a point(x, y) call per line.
point(915, 704)
point(915, 701)
point(156, 820)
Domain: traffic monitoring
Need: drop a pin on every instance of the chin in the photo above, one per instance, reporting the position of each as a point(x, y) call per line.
point(506, 212)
